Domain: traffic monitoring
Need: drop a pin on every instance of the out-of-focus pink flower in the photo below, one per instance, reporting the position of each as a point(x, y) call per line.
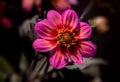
point(27, 5)
point(6, 23)
point(61, 5)
point(73, 2)
point(37, 2)
point(65, 37)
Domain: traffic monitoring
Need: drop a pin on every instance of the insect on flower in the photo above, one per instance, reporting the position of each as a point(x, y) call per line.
point(65, 37)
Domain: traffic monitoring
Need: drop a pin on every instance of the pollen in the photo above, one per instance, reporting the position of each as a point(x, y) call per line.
point(66, 38)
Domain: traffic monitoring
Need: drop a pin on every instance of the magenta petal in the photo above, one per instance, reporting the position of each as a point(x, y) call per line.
point(54, 18)
point(87, 48)
point(70, 19)
point(85, 31)
point(58, 58)
point(75, 56)
point(45, 30)
point(41, 45)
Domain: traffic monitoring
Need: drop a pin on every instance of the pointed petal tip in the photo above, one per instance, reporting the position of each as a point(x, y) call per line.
point(57, 58)
point(41, 45)
point(45, 30)
point(75, 56)
point(57, 66)
point(54, 17)
point(85, 31)
point(70, 19)
point(88, 49)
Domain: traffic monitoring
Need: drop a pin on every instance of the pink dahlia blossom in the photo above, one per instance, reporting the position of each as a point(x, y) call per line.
point(65, 37)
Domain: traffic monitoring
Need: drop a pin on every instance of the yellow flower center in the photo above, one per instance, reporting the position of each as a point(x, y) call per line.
point(66, 38)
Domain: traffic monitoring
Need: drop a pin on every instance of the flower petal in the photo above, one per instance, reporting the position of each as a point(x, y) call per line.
point(58, 58)
point(45, 31)
point(75, 55)
point(41, 45)
point(87, 48)
point(54, 18)
point(85, 31)
point(70, 19)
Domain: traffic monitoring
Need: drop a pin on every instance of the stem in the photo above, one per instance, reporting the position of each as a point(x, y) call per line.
point(38, 68)
point(87, 9)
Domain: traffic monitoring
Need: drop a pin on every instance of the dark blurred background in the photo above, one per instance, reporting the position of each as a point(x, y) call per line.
point(12, 44)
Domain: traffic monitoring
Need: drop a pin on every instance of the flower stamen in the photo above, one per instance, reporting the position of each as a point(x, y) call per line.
point(66, 38)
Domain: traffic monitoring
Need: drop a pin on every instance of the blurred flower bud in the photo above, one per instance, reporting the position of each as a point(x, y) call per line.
point(37, 2)
point(73, 2)
point(60, 5)
point(27, 5)
point(6, 23)
point(100, 23)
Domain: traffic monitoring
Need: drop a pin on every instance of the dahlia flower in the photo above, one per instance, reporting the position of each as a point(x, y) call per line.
point(64, 37)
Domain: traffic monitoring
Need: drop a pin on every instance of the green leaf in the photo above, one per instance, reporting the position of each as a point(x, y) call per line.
point(5, 66)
